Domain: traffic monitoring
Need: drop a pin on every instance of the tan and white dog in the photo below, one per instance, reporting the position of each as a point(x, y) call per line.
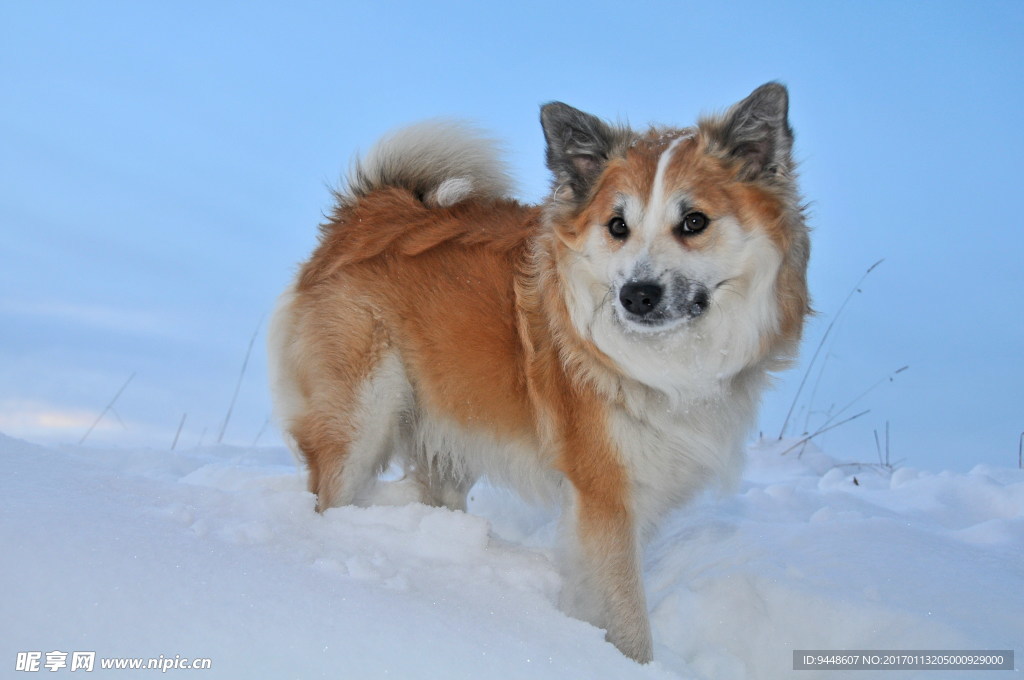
point(605, 349)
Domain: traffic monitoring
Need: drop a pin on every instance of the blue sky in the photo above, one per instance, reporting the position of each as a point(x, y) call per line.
point(164, 167)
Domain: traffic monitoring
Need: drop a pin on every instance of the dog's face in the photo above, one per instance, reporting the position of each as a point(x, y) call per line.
point(683, 251)
point(662, 235)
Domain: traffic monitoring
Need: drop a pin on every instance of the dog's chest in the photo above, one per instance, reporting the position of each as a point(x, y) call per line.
point(674, 450)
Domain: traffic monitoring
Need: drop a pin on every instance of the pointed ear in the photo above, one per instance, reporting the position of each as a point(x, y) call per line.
point(579, 145)
point(756, 133)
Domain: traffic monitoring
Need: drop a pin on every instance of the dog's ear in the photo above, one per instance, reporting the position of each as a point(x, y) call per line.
point(579, 145)
point(756, 133)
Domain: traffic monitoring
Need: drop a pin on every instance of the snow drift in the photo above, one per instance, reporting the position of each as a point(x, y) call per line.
point(217, 553)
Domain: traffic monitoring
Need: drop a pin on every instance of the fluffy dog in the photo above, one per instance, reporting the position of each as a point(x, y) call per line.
point(606, 349)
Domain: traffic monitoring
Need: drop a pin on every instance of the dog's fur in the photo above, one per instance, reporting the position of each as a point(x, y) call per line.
point(605, 349)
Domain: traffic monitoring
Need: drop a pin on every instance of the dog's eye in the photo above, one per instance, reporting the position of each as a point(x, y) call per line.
point(693, 223)
point(617, 228)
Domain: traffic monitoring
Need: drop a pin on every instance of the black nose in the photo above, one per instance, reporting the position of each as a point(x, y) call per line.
point(640, 298)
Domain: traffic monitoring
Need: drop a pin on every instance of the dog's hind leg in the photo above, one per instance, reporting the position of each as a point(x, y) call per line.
point(347, 442)
point(442, 485)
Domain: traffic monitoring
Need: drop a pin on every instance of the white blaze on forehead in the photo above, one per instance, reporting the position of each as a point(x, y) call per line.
point(658, 189)
point(655, 205)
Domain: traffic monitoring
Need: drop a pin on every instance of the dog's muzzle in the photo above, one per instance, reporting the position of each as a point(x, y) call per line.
point(649, 303)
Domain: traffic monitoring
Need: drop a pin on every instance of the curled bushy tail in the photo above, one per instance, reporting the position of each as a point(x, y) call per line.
point(442, 161)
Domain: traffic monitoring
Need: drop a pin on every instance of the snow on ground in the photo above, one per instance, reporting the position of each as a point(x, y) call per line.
point(217, 553)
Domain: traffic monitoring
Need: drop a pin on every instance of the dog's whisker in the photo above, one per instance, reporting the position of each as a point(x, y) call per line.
point(728, 286)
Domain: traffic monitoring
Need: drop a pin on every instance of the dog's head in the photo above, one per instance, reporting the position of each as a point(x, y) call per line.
point(679, 247)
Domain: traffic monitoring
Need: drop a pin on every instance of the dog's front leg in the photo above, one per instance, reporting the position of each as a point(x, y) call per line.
point(603, 579)
point(601, 556)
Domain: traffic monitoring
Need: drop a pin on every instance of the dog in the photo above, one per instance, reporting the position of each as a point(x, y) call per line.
point(605, 350)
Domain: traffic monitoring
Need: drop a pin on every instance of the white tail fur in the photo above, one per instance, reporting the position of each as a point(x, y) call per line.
point(442, 161)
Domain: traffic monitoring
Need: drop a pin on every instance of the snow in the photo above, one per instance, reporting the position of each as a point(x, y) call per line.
point(217, 553)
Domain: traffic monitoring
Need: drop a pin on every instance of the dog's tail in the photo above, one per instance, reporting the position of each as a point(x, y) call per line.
point(442, 162)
